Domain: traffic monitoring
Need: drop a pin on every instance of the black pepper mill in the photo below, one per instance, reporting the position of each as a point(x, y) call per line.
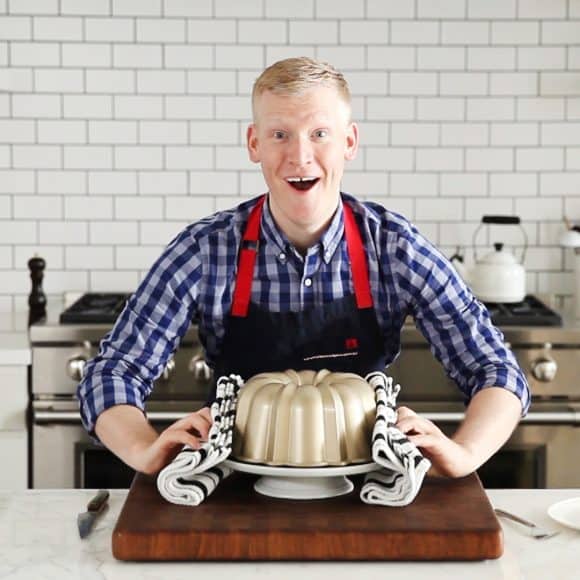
point(37, 297)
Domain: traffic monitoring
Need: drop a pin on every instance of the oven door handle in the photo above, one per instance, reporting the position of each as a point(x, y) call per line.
point(532, 418)
point(47, 417)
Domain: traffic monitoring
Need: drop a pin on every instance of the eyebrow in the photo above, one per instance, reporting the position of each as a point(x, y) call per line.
point(282, 121)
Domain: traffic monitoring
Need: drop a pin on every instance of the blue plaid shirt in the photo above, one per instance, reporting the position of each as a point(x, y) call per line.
point(194, 279)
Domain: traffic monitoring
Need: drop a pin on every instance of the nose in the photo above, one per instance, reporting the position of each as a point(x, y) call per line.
point(300, 151)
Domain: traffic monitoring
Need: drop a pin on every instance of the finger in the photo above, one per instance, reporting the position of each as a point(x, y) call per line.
point(206, 416)
point(200, 426)
point(425, 441)
point(193, 435)
point(434, 447)
point(418, 424)
point(206, 413)
point(193, 422)
point(403, 412)
point(201, 418)
point(178, 438)
point(414, 424)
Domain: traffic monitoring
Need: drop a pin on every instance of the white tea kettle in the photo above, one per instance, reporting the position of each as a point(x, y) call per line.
point(498, 276)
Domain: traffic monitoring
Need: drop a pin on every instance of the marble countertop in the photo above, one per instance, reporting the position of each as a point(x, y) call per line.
point(39, 539)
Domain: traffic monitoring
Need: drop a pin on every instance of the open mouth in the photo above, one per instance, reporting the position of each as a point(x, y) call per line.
point(303, 183)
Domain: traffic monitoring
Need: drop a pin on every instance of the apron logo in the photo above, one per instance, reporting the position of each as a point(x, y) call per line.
point(351, 343)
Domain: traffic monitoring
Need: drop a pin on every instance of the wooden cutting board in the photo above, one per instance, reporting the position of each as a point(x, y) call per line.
point(449, 520)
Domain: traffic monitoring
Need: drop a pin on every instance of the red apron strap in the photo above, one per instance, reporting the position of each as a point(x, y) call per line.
point(358, 261)
point(247, 259)
point(249, 249)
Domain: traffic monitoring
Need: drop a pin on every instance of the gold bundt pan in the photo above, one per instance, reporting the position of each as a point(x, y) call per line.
point(304, 419)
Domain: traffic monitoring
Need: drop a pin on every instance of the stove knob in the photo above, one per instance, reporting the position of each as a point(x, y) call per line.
point(168, 370)
point(544, 368)
point(199, 368)
point(75, 367)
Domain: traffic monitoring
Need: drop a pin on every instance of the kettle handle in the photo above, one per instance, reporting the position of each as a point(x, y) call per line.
point(512, 220)
point(500, 220)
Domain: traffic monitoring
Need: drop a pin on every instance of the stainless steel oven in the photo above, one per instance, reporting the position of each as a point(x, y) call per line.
point(541, 452)
point(542, 449)
point(62, 455)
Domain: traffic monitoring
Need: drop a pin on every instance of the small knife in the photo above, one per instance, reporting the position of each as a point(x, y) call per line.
point(86, 520)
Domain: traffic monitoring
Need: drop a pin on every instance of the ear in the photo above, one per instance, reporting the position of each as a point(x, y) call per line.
point(252, 143)
point(351, 142)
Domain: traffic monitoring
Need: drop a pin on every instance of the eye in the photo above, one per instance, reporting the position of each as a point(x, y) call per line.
point(321, 133)
point(279, 135)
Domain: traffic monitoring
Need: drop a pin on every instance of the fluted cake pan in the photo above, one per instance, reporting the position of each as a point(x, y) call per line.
point(304, 419)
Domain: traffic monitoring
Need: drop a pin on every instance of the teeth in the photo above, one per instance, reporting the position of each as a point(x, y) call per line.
point(297, 179)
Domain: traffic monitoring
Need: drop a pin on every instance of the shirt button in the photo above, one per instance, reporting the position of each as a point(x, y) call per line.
point(308, 282)
point(282, 257)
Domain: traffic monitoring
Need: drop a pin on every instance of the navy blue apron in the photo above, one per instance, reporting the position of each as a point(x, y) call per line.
point(341, 336)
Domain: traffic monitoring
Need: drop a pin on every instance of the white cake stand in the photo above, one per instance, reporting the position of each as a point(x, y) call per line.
point(302, 482)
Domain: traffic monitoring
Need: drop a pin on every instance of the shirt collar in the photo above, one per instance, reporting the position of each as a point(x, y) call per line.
point(327, 243)
point(334, 233)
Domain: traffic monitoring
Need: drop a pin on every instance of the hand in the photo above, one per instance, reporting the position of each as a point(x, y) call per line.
point(448, 458)
point(191, 430)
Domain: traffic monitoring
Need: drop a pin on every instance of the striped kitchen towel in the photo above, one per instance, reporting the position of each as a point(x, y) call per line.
point(194, 474)
point(403, 465)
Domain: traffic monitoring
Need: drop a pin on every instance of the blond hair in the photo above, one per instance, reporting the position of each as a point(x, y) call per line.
point(294, 76)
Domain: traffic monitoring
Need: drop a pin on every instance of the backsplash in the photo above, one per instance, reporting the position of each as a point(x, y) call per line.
point(123, 120)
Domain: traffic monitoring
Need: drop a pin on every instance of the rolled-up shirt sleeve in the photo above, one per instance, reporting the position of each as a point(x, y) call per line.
point(134, 353)
point(456, 324)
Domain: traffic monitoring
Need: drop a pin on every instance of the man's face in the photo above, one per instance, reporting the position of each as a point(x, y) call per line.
point(302, 142)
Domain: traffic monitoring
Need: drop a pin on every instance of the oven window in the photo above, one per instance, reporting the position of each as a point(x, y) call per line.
point(517, 466)
point(98, 468)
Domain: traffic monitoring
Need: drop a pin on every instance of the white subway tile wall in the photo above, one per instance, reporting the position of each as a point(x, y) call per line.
point(123, 120)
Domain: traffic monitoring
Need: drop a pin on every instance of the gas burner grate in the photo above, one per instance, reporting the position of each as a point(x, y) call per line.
point(95, 308)
point(530, 312)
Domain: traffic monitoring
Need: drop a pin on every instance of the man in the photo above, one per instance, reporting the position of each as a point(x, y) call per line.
point(304, 277)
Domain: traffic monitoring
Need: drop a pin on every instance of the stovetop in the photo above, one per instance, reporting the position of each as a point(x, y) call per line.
point(52, 329)
point(105, 308)
point(530, 312)
point(98, 308)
